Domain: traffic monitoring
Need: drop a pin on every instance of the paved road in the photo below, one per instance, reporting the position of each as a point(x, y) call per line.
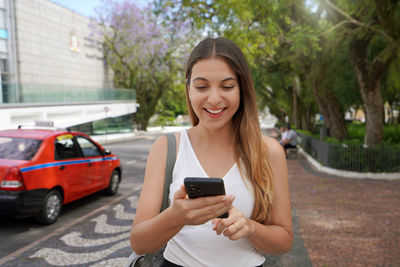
point(101, 237)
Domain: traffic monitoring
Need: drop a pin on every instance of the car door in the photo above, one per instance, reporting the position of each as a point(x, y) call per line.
point(96, 166)
point(70, 167)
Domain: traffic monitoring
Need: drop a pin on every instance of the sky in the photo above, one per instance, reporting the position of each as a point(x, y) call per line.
point(86, 7)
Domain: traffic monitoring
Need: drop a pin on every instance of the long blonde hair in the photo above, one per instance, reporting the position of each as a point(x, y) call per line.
point(251, 153)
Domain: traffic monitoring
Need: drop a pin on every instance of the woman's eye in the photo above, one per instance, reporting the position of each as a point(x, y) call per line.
point(200, 87)
point(228, 86)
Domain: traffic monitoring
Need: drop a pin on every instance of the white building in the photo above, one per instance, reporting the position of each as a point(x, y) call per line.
point(48, 58)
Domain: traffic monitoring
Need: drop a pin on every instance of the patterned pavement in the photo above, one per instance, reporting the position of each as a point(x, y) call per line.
point(102, 240)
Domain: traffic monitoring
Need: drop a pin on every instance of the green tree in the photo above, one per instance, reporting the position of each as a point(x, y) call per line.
point(144, 53)
point(280, 42)
point(372, 30)
point(250, 25)
point(172, 104)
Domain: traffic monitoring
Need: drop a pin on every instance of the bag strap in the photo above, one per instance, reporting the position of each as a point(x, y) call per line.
point(171, 157)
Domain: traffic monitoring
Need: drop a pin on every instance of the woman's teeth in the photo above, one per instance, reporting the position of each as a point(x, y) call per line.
point(215, 111)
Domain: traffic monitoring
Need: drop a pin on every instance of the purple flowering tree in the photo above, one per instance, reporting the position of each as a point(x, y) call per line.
point(144, 51)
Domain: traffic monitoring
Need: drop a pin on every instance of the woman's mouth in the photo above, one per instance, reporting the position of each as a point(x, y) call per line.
point(215, 112)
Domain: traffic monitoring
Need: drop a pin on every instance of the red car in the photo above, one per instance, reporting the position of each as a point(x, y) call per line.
point(40, 170)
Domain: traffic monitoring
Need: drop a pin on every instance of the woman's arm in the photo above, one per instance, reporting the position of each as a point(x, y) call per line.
point(149, 205)
point(152, 229)
point(276, 237)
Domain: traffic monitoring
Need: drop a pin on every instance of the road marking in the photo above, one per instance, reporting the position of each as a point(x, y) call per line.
point(130, 162)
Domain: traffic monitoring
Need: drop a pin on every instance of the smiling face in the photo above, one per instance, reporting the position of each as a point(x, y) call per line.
point(214, 92)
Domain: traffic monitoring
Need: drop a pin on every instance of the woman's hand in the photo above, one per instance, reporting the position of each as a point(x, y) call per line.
point(234, 227)
point(200, 210)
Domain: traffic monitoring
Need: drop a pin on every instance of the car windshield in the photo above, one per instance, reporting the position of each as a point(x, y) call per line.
point(18, 148)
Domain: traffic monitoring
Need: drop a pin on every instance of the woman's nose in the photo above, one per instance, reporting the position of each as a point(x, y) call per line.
point(215, 96)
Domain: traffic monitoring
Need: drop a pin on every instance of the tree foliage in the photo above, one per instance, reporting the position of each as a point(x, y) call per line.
point(312, 56)
point(371, 29)
point(144, 53)
point(306, 57)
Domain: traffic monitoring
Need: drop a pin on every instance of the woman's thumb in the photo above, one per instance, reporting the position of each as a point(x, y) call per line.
point(181, 193)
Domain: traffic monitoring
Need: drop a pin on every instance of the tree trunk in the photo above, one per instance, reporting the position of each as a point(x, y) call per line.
point(294, 103)
point(331, 110)
point(143, 124)
point(369, 79)
point(296, 113)
point(306, 119)
point(305, 108)
point(374, 109)
point(148, 101)
point(304, 123)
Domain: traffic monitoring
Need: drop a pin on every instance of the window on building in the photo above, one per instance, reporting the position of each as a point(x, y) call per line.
point(3, 65)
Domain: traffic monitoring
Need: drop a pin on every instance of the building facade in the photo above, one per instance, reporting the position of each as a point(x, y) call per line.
point(53, 69)
point(43, 44)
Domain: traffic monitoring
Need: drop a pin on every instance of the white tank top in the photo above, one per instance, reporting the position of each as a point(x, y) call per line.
point(199, 245)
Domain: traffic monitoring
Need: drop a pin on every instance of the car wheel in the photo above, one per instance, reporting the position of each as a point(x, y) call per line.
point(51, 208)
point(113, 186)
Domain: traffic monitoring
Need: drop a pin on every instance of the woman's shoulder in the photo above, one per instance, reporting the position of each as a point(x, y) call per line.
point(160, 145)
point(276, 154)
point(162, 140)
point(268, 140)
point(273, 146)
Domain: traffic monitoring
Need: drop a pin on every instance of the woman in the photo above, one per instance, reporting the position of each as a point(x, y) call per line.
point(225, 141)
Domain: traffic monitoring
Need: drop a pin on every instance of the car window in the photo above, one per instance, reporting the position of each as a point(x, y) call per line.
point(65, 147)
point(18, 148)
point(89, 149)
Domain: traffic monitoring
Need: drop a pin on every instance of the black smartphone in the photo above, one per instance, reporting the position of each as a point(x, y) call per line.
point(205, 187)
